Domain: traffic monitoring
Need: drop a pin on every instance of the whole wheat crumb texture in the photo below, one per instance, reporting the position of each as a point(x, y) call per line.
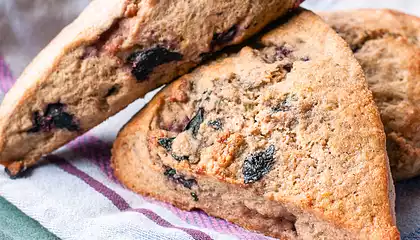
point(387, 45)
point(114, 53)
point(282, 137)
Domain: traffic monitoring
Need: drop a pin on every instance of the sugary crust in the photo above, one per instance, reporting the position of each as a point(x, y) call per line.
point(89, 58)
point(387, 44)
point(379, 188)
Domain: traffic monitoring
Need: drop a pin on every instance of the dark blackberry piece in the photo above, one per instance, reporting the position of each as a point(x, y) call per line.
point(220, 39)
point(54, 117)
point(194, 124)
point(282, 52)
point(288, 67)
point(144, 61)
point(178, 178)
point(179, 158)
point(39, 124)
point(258, 164)
point(169, 172)
point(166, 143)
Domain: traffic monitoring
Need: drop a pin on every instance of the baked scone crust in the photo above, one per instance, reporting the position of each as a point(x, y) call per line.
point(333, 184)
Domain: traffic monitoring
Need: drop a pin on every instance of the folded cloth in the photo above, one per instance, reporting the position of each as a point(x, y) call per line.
point(75, 195)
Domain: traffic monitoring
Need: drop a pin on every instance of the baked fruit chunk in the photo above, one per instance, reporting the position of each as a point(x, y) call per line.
point(113, 53)
point(387, 45)
point(282, 137)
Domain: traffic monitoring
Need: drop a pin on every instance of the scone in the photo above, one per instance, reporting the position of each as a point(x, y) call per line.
point(282, 137)
point(387, 45)
point(113, 53)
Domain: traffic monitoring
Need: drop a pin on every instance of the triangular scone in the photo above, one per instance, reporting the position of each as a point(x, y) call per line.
point(114, 53)
point(282, 138)
point(387, 45)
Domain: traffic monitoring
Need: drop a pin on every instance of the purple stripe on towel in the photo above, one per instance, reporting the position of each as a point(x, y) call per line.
point(96, 150)
point(196, 234)
point(119, 201)
point(6, 78)
point(116, 199)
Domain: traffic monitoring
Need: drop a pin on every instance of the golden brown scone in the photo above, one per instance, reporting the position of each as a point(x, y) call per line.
point(283, 138)
point(113, 53)
point(387, 45)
